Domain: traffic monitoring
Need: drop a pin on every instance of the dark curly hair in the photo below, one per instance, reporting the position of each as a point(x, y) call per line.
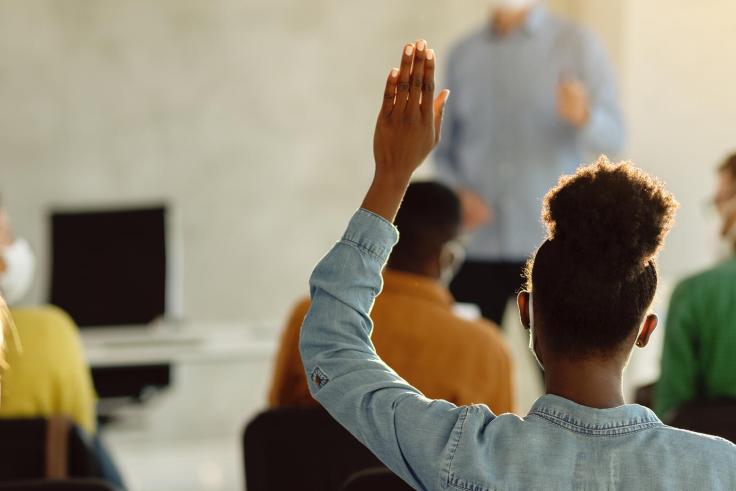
point(595, 275)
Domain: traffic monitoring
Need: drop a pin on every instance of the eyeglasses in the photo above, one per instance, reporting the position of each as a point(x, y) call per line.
point(711, 206)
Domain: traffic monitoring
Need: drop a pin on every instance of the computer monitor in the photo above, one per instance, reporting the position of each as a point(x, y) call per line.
point(108, 267)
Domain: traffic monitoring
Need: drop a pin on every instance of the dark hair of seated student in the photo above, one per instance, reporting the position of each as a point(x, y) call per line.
point(428, 219)
point(593, 279)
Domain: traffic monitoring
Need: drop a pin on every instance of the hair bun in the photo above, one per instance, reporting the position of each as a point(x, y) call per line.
point(611, 215)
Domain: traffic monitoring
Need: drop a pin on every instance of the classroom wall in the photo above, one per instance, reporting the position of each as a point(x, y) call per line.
point(680, 102)
point(253, 119)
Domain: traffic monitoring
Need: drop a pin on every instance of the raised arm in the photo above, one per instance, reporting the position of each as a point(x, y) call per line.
point(411, 434)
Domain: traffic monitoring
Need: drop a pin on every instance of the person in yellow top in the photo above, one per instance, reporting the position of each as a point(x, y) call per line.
point(46, 372)
point(5, 330)
point(416, 331)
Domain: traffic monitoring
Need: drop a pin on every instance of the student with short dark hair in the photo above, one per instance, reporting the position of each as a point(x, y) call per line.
point(416, 331)
point(591, 285)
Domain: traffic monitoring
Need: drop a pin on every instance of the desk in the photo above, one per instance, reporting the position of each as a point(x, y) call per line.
point(127, 361)
point(188, 434)
point(127, 346)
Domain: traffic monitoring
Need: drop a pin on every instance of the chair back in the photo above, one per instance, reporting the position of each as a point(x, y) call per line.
point(52, 448)
point(713, 417)
point(378, 478)
point(301, 448)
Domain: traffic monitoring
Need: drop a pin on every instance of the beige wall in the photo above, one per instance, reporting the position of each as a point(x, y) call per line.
point(680, 101)
point(606, 17)
point(253, 118)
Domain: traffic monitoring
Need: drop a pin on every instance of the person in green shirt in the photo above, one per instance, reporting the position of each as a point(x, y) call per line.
point(700, 340)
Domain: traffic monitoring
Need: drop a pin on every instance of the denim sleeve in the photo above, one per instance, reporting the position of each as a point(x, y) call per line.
point(414, 436)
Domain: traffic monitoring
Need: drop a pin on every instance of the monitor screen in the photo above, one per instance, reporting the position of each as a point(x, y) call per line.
point(108, 268)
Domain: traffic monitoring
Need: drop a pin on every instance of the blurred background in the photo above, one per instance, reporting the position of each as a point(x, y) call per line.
point(251, 122)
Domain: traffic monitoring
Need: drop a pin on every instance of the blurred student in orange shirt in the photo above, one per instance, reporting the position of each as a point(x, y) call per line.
point(415, 329)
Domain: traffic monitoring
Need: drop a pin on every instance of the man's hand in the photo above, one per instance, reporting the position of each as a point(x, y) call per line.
point(408, 128)
point(476, 211)
point(572, 102)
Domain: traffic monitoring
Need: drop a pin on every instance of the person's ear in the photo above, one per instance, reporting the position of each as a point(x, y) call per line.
point(522, 301)
point(647, 328)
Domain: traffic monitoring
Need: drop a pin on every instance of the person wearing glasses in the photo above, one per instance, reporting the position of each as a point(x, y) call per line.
point(700, 339)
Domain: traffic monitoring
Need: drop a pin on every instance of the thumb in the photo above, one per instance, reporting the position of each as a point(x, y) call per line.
point(439, 110)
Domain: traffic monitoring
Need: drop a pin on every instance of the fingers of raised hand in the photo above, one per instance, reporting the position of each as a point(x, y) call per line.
point(389, 94)
point(403, 86)
point(417, 76)
point(428, 85)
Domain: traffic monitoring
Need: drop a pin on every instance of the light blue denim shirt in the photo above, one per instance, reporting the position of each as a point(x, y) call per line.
point(503, 136)
point(434, 444)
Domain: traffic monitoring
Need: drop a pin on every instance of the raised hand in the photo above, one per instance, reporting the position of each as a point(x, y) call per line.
point(408, 128)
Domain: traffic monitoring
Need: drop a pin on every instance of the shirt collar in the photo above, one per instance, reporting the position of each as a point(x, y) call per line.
point(535, 19)
point(532, 24)
point(416, 286)
point(566, 412)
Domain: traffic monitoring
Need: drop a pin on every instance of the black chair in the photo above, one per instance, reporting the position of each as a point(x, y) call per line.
point(301, 449)
point(69, 485)
point(51, 448)
point(376, 479)
point(713, 417)
point(644, 395)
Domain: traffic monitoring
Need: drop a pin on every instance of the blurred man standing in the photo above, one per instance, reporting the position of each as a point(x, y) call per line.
point(533, 93)
point(700, 340)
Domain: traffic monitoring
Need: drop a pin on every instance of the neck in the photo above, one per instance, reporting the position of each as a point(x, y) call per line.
point(591, 382)
point(428, 272)
point(430, 269)
point(506, 21)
